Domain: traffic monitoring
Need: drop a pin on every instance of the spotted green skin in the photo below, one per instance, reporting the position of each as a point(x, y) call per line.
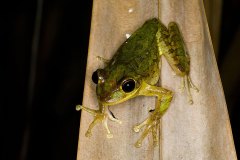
point(138, 59)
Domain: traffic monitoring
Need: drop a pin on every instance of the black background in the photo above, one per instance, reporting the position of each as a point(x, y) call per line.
point(44, 124)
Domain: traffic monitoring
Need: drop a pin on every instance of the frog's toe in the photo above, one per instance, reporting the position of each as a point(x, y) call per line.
point(88, 134)
point(109, 135)
point(144, 134)
point(120, 122)
point(94, 122)
point(190, 101)
point(136, 128)
point(151, 126)
point(182, 85)
point(189, 84)
point(138, 144)
point(78, 107)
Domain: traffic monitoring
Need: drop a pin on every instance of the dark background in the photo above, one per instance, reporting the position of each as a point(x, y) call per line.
point(43, 70)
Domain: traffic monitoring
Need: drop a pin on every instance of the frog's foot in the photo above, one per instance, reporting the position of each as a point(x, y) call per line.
point(187, 83)
point(99, 116)
point(151, 126)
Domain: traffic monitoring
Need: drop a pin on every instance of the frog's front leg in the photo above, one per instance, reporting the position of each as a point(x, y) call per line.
point(101, 115)
point(151, 124)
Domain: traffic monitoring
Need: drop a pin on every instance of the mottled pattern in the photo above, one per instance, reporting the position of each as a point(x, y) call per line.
point(138, 57)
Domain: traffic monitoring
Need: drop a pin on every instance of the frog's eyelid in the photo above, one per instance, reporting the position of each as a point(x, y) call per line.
point(126, 79)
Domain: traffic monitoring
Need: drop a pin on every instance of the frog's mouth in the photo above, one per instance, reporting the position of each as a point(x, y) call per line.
point(117, 97)
point(112, 100)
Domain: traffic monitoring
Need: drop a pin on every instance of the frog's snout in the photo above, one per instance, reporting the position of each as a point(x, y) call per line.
point(108, 99)
point(103, 98)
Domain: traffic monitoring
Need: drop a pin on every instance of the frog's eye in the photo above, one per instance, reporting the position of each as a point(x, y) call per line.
point(128, 85)
point(95, 77)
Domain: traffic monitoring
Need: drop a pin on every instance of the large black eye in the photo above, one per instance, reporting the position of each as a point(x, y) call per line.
point(95, 77)
point(128, 85)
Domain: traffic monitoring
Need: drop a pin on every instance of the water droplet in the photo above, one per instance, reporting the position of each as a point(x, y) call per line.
point(128, 35)
point(130, 10)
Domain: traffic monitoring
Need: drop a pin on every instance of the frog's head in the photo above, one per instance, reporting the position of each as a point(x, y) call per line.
point(114, 87)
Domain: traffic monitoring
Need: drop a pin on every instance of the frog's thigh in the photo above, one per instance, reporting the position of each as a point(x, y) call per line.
point(175, 34)
point(175, 51)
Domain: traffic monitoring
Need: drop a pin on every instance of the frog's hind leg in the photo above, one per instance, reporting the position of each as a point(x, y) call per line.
point(174, 50)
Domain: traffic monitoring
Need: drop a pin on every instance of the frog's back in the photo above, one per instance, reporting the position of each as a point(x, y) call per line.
point(139, 53)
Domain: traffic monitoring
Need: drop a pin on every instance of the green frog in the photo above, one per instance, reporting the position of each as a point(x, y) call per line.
point(134, 71)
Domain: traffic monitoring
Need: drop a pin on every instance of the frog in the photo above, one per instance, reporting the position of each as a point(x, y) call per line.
point(134, 71)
